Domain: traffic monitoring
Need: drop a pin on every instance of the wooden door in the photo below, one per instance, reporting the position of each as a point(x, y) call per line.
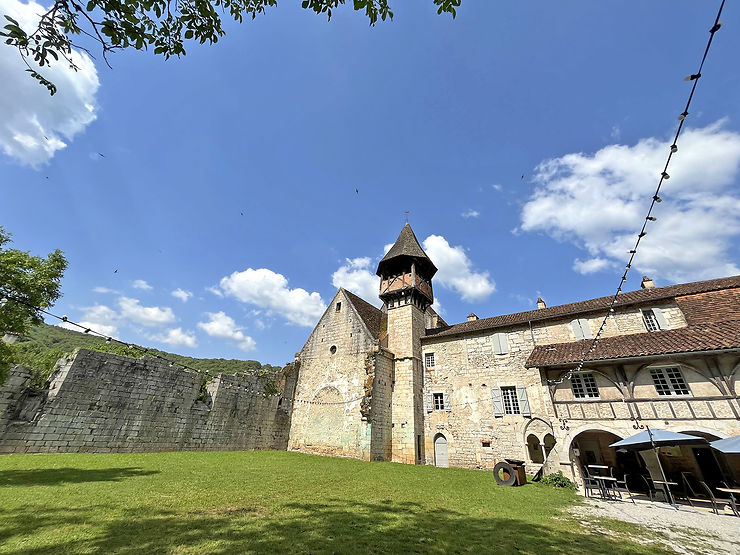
point(440, 451)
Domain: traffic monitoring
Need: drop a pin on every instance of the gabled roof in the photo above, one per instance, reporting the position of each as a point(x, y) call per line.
point(371, 316)
point(702, 337)
point(639, 297)
point(407, 245)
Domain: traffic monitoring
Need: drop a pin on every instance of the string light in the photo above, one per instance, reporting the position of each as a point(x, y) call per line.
point(694, 77)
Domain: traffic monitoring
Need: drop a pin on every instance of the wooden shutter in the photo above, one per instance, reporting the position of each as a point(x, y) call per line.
point(660, 318)
point(446, 398)
point(498, 405)
point(429, 402)
point(500, 344)
point(521, 395)
point(576, 325)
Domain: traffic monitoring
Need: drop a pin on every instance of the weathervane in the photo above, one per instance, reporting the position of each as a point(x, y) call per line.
point(407, 216)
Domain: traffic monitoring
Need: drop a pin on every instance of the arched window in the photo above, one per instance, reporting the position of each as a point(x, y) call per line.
point(535, 449)
point(549, 443)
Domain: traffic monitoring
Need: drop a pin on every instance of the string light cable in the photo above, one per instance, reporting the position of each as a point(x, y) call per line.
point(649, 218)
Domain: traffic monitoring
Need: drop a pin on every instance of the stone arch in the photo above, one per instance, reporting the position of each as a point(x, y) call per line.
point(537, 426)
point(534, 449)
point(548, 443)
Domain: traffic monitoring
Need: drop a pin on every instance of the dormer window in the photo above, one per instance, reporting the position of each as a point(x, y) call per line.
point(653, 319)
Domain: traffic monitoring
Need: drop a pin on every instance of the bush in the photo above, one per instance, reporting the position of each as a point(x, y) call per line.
point(557, 480)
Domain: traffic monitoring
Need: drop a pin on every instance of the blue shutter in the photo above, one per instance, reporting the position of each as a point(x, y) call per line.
point(660, 318)
point(446, 398)
point(498, 405)
point(521, 396)
point(496, 344)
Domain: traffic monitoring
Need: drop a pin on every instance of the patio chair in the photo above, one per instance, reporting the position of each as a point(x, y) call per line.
point(733, 501)
point(716, 501)
point(621, 483)
point(589, 483)
point(652, 492)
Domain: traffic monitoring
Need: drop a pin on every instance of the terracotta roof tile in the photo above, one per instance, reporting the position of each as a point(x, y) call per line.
point(702, 337)
point(640, 296)
point(717, 306)
point(372, 316)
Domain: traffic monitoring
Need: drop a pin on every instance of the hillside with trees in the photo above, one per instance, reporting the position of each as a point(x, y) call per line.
point(42, 345)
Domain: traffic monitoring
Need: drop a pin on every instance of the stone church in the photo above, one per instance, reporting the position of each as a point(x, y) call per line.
point(400, 384)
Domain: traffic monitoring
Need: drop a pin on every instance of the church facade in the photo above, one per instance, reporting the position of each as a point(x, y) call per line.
point(400, 384)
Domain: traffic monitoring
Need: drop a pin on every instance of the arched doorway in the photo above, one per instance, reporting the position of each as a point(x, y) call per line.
point(549, 444)
point(534, 447)
point(706, 463)
point(440, 451)
point(591, 448)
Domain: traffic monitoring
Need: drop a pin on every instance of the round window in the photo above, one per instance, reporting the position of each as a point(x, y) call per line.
point(333, 349)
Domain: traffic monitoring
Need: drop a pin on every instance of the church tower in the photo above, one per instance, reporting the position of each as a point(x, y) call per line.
point(406, 289)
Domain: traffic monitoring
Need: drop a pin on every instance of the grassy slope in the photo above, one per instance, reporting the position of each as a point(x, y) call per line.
point(44, 344)
point(275, 502)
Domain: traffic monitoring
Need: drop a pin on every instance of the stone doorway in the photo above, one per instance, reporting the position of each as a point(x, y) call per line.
point(440, 451)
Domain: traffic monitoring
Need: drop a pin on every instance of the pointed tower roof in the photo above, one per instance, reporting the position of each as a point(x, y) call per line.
point(407, 245)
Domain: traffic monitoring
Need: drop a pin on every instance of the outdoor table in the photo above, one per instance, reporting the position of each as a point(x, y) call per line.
point(601, 466)
point(729, 490)
point(604, 483)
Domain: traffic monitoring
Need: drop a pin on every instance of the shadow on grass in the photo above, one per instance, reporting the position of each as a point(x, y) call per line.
point(335, 526)
point(54, 476)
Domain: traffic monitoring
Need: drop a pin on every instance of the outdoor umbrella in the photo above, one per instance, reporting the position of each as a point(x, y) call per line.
point(728, 446)
point(655, 437)
point(652, 439)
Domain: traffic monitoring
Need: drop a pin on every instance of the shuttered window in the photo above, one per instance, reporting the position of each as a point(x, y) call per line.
point(510, 400)
point(581, 328)
point(500, 344)
point(653, 319)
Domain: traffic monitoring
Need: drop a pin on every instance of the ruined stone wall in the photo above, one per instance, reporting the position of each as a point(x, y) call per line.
point(327, 414)
point(100, 402)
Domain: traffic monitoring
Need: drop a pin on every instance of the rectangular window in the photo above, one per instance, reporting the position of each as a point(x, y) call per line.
point(439, 401)
point(339, 307)
point(669, 381)
point(429, 360)
point(584, 386)
point(509, 398)
point(651, 322)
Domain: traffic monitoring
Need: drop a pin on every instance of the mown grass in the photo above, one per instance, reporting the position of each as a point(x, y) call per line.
point(277, 502)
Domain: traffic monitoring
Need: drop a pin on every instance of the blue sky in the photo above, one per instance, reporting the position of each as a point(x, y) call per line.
point(289, 114)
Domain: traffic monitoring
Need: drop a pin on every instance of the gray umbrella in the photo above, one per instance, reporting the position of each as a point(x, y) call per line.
point(728, 446)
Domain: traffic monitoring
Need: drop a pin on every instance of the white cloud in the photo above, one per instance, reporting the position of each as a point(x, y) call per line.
point(141, 284)
point(176, 337)
point(497, 187)
point(35, 124)
point(215, 290)
point(456, 270)
point(222, 326)
point(99, 318)
point(267, 289)
point(182, 294)
point(599, 201)
point(357, 276)
point(470, 213)
point(590, 266)
point(104, 290)
point(145, 315)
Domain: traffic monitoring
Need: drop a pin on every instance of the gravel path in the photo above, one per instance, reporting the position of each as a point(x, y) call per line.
point(685, 531)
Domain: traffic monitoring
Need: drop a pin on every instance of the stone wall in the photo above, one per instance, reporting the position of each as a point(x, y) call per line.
point(100, 402)
point(334, 370)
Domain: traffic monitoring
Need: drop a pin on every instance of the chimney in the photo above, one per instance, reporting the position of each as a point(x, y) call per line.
point(472, 317)
point(541, 303)
point(647, 283)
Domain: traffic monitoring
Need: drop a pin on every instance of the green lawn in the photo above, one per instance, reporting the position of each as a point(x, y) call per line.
point(269, 502)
